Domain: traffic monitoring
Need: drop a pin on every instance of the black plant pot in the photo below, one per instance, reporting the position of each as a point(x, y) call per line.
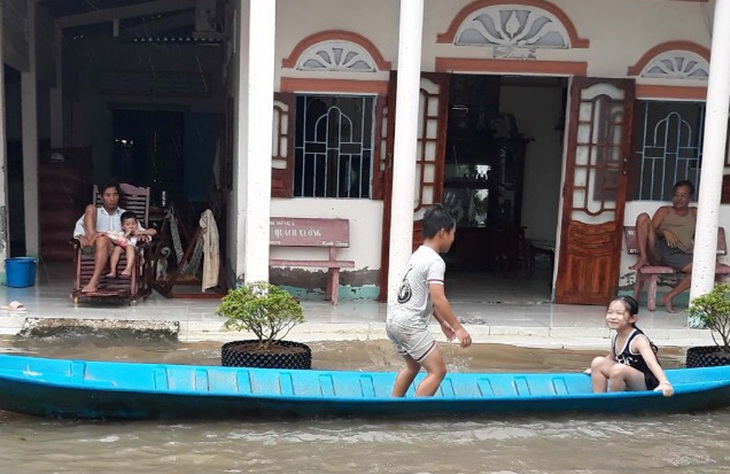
point(706, 356)
point(283, 355)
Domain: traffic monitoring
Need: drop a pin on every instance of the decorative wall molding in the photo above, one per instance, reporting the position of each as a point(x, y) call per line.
point(510, 66)
point(649, 91)
point(345, 86)
point(673, 60)
point(336, 50)
point(513, 24)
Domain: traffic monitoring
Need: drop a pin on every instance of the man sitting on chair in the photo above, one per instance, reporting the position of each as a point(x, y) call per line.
point(91, 229)
point(668, 238)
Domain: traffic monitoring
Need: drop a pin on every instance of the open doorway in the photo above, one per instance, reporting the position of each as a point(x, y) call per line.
point(502, 176)
point(148, 148)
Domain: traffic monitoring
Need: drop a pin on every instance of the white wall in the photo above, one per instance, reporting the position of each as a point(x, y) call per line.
point(537, 110)
point(365, 218)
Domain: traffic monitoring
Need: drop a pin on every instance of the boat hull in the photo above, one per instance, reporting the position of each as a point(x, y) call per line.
point(108, 390)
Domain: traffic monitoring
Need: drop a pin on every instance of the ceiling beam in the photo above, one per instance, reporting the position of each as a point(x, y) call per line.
point(158, 27)
point(121, 13)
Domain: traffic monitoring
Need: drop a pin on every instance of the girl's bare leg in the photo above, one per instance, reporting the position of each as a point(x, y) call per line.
point(600, 371)
point(624, 377)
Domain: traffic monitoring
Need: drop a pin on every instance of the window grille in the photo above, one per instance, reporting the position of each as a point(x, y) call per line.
point(668, 147)
point(334, 146)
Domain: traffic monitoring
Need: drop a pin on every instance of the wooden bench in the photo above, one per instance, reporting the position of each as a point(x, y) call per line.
point(650, 273)
point(332, 234)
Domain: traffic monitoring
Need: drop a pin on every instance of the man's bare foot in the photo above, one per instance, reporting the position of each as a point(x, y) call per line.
point(668, 304)
point(111, 275)
point(639, 263)
point(126, 274)
point(89, 288)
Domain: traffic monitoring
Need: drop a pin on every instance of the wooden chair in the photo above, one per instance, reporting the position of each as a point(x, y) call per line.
point(132, 198)
point(650, 273)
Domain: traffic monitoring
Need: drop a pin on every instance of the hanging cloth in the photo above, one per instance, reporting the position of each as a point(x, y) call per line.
point(211, 257)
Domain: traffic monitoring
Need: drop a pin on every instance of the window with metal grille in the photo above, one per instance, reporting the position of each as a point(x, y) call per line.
point(333, 146)
point(668, 146)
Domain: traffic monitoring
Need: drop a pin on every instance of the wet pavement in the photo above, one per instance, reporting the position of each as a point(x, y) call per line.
point(494, 309)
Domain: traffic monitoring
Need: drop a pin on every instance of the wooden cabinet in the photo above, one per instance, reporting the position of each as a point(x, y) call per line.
point(64, 191)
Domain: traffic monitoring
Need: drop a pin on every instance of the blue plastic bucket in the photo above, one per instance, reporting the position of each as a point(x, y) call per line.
point(20, 271)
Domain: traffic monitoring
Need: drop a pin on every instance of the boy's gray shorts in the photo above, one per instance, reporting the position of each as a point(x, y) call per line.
point(415, 342)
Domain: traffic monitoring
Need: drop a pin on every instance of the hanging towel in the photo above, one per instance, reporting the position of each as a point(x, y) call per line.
point(211, 254)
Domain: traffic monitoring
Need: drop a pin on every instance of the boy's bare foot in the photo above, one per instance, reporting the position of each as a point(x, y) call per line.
point(111, 275)
point(668, 304)
point(126, 274)
point(640, 263)
point(89, 288)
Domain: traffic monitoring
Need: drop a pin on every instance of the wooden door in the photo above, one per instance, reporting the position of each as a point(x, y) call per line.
point(594, 193)
point(432, 120)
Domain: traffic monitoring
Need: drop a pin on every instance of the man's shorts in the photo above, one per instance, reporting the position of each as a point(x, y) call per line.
point(415, 342)
point(673, 257)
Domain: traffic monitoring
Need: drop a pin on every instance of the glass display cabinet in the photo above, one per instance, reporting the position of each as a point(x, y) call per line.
point(483, 181)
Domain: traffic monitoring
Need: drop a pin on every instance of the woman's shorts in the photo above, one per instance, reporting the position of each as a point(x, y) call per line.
point(417, 343)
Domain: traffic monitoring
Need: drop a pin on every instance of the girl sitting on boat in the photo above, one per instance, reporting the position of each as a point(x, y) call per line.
point(632, 363)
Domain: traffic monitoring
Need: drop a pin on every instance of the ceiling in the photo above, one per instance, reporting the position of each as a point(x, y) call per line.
point(92, 17)
point(59, 8)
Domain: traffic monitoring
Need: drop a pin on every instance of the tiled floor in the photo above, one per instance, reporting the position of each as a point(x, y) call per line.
point(491, 305)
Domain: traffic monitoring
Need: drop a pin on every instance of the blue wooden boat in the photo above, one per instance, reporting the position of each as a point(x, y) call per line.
point(117, 390)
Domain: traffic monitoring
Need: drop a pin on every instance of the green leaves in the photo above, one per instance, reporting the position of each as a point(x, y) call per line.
point(713, 310)
point(263, 309)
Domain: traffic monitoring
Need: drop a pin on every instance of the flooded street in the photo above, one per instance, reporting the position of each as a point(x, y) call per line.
point(687, 443)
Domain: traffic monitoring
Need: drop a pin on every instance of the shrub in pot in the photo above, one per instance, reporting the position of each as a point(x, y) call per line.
point(712, 310)
point(269, 313)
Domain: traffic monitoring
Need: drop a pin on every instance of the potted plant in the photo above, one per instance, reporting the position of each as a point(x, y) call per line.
point(712, 311)
point(269, 313)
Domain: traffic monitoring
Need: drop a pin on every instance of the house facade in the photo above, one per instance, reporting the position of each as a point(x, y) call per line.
point(551, 123)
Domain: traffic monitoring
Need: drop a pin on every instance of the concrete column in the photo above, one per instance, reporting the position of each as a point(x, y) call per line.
point(4, 235)
point(713, 156)
point(405, 146)
point(259, 119)
point(57, 93)
point(29, 112)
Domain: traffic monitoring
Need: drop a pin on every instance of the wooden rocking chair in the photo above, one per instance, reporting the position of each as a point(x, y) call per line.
point(132, 198)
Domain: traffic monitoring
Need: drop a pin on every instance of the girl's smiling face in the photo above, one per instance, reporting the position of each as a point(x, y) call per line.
point(618, 316)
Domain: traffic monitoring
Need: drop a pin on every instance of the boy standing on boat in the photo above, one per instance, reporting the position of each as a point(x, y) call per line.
point(407, 321)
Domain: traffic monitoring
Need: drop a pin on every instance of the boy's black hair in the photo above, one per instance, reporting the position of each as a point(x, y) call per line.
point(104, 185)
point(685, 182)
point(435, 219)
point(128, 215)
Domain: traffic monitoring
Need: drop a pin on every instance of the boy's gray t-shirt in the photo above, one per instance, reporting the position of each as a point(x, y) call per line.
point(413, 308)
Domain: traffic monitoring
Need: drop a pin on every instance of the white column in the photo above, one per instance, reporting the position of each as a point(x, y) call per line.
point(713, 155)
point(405, 145)
point(29, 113)
point(57, 93)
point(259, 117)
point(4, 237)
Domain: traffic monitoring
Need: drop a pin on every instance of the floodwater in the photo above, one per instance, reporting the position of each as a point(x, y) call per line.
point(687, 443)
